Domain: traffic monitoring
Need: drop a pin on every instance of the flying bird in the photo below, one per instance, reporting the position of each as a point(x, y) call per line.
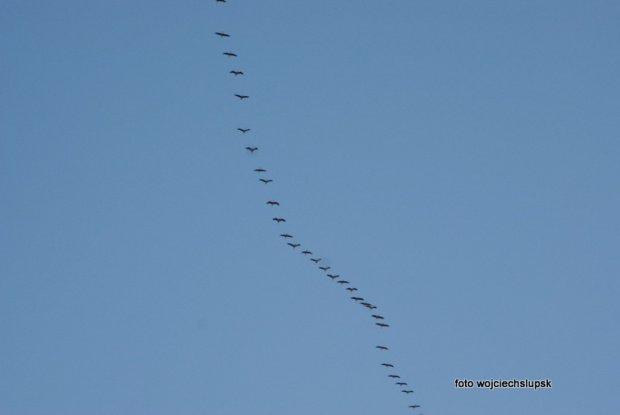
point(286, 235)
point(306, 252)
point(315, 260)
point(332, 276)
point(294, 245)
point(252, 149)
point(372, 307)
point(382, 325)
point(265, 180)
point(357, 298)
point(324, 268)
point(243, 130)
point(365, 304)
point(401, 383)
point(382, 348)
point(220, 1)
point(229, 54)
point(351, 289)
point(377, 317)
point(387, 365)
point(221, 34)
point(414, 406)
point(407, 392)
point(237, 72)
point(260, 170)
point(342, 282)
point(242, 96)
point(279, 220)
point(394, 376)
point(271, 202)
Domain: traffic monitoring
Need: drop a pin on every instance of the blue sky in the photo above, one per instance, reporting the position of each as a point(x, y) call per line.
point(457, 162)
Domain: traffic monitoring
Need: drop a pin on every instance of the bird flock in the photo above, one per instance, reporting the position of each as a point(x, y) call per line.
point(379, 320)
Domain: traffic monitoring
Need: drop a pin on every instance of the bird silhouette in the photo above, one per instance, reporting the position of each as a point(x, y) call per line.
point(377, 317)
point(243, 130)
point(315, 260)
point(242, 96)
point(279, 220)
point(401, 383)
point(382, 325)
point(220, 1)
point(306, 252)
point(407, 392)
point(251, 149)
point(294, 245)
point(382, 348)
point(236, 72)
point(332, 276)
point(357, 298)
point(342, 282)
point(260, 170)
point(387, 365)
point(265, 180)
point(286, 235)
point(229, 54)
point(394, 376)
point(221, 34)
point(272, 203)
point(414, 406)
point(351, 289)
point(372, 307)
point(324, 268)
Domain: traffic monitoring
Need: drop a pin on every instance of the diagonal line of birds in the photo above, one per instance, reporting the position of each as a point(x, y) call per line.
point(379, 320)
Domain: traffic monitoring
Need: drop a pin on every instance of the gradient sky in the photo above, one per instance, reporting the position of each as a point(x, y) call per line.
point(457, 162)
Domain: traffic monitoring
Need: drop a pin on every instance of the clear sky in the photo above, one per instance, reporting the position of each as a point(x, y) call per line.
point(456, 161)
